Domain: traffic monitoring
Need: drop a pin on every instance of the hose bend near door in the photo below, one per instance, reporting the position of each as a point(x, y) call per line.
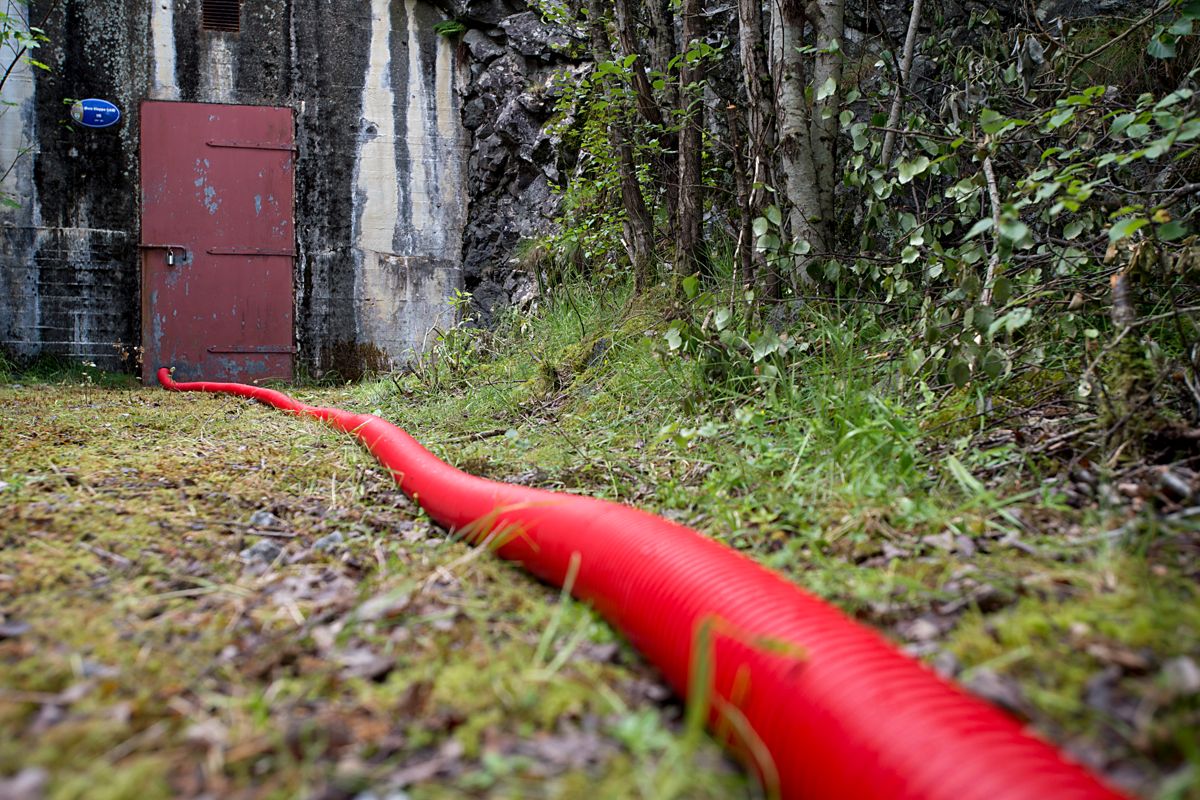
point(821, 706)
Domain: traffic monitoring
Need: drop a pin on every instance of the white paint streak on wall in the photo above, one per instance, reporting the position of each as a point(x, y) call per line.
point(20, 314)
point(15, 135)
point(450, 176)
point(218, 69)
point(377, 172)
point(379, 286)
point(425, 231)
point(162, 33)
point(409, 199)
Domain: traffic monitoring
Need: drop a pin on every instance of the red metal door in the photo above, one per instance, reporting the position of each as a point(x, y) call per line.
point(218, 240)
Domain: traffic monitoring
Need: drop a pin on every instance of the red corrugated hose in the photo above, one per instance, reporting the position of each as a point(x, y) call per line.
point(817, 704)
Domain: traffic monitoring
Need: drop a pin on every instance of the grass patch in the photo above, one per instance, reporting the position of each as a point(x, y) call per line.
point(901, 504)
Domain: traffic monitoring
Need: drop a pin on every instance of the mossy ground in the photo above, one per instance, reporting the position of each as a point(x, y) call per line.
point(143, 657)
point(155, 657)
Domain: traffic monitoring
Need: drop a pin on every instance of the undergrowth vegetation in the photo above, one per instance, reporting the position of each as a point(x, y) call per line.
point(967, 521)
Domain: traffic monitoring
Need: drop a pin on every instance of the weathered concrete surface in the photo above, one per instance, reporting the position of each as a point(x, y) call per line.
point(380, 173)
point(408, 228)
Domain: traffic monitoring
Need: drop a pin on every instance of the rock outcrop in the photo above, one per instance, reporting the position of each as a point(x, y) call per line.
point(514, 57)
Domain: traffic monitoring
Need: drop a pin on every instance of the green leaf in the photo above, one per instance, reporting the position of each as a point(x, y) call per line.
point(760, 225)
point(828, 88)
point(959, 371)
point(1061, 118)
point(909, 255)
point(1014, 231)
point(1012, 321)
point(1120, 123)
point(691, 286)
point(992, 363)
point(1161, 46)
point(774, 215)
point(1001, 290)
point(767, 243)
point(910, 169)
point(764, 345)
point(721, 318)
point(1072, 229)
point(1180, 27)
point(674, 340)
point(979, 227)
point(1171, 231)
point(982, 317)
point(1126, 227)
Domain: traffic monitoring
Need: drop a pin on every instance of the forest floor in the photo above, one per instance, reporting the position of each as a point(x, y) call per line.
point(203, 597)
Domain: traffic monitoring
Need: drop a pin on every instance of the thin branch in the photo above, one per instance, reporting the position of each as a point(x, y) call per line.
point(994, 194)
point(910, 41)
point(1116, 39)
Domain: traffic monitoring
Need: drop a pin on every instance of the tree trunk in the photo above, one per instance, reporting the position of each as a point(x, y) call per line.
point(691, 200)
point(808, 128)
point(760, 130)
point(637, 225)
point(796, 164)
point(662, 45)
point(663, 163)
point(827, 80)
point(745, 250)
point(910, 41)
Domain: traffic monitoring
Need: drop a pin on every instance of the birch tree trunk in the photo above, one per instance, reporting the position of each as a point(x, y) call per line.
point(807, 98)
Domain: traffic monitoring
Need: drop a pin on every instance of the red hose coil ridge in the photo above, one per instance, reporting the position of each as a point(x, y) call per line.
point(818, 704)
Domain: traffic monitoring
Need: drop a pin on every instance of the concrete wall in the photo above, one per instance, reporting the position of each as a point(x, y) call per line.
point(380, 179)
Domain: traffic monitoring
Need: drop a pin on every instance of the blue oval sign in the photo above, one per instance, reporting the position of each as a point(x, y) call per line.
point(93, 113)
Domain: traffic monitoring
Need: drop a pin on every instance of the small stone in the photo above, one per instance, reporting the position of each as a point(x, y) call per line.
point(13, 629)
point(265, 519)
point(998, 689)
point(1182, 676)
point(946, 664)
point(384, 606)
point(330, 542)
point(922, 630)
point(261, 552)
point(28, 784)
point(362, 663)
